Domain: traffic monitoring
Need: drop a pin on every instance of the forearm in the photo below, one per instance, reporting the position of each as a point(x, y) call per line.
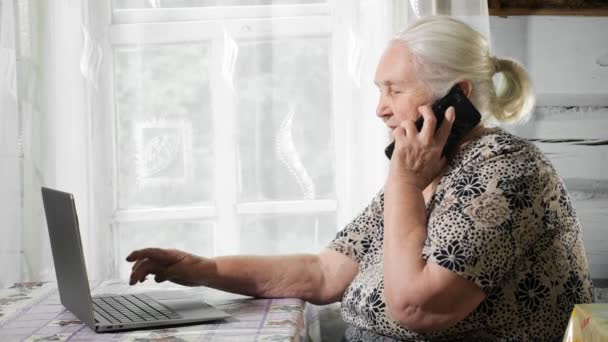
point(265, 276)
point(404, 236)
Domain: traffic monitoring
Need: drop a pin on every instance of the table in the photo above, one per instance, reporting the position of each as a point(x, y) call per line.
point(588, 323)
point(33, 312)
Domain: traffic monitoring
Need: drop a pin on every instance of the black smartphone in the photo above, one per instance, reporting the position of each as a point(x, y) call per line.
point(467, 117)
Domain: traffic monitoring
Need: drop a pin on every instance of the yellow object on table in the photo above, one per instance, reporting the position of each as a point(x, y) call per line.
point(588, 323)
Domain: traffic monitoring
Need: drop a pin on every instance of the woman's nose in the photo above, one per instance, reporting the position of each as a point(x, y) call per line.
point(382, 109)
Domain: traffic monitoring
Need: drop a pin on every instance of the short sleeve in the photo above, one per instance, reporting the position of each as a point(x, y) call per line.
point(486, 219)
point(356, 238)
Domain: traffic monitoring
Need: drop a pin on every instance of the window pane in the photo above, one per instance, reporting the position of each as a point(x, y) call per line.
point(192, 237)
point(284, 116)
point(123, 4)
point(164, 125)
point(285, 234)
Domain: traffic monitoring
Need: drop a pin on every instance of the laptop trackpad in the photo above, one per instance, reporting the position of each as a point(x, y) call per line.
point(182, 305)
point(187, 304)
point(193, 308)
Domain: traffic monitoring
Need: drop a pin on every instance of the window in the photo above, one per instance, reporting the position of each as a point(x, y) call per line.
point(226, 126)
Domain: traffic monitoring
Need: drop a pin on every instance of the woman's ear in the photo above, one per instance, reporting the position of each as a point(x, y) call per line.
point(466, 86)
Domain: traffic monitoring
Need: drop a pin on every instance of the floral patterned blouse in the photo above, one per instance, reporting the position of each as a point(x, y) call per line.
point(500, 217)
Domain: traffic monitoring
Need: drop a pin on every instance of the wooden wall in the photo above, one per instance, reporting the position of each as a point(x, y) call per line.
point(576, 140)
point(548, 7)
point(565, 58)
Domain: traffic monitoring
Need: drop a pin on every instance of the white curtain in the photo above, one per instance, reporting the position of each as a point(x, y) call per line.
point(474, 13)
point(218, 127)
point(45, 124)
point(10, 190)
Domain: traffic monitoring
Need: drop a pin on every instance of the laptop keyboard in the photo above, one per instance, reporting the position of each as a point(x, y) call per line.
point(132, 308)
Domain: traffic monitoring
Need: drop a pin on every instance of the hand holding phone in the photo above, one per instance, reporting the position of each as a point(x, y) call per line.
point(467, 117)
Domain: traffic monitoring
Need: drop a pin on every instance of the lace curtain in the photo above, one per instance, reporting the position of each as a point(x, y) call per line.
point(215, 127)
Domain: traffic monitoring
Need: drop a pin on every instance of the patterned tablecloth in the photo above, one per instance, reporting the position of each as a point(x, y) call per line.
point(588, 323)
point(33, 312)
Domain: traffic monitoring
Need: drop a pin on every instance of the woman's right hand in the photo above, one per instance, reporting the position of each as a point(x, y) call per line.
point(166, 264)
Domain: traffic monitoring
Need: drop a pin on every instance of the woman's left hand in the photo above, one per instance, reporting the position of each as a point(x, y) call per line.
point(417, 156)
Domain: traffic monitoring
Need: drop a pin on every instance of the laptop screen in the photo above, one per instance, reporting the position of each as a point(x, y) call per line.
point(70, 268)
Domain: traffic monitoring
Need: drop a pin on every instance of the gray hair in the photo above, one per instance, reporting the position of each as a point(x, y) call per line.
point(446, 51)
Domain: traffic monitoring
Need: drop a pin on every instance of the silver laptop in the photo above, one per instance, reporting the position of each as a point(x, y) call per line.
point(109, 312)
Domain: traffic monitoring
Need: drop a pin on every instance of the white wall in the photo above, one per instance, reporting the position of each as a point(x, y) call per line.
point(567, 58)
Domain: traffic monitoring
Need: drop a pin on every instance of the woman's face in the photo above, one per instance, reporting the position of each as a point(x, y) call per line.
point(400, 92)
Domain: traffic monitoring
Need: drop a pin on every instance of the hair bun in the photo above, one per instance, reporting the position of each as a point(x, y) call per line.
point(496, 62)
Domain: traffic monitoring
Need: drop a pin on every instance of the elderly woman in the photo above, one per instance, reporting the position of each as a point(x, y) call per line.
point(483, 246)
